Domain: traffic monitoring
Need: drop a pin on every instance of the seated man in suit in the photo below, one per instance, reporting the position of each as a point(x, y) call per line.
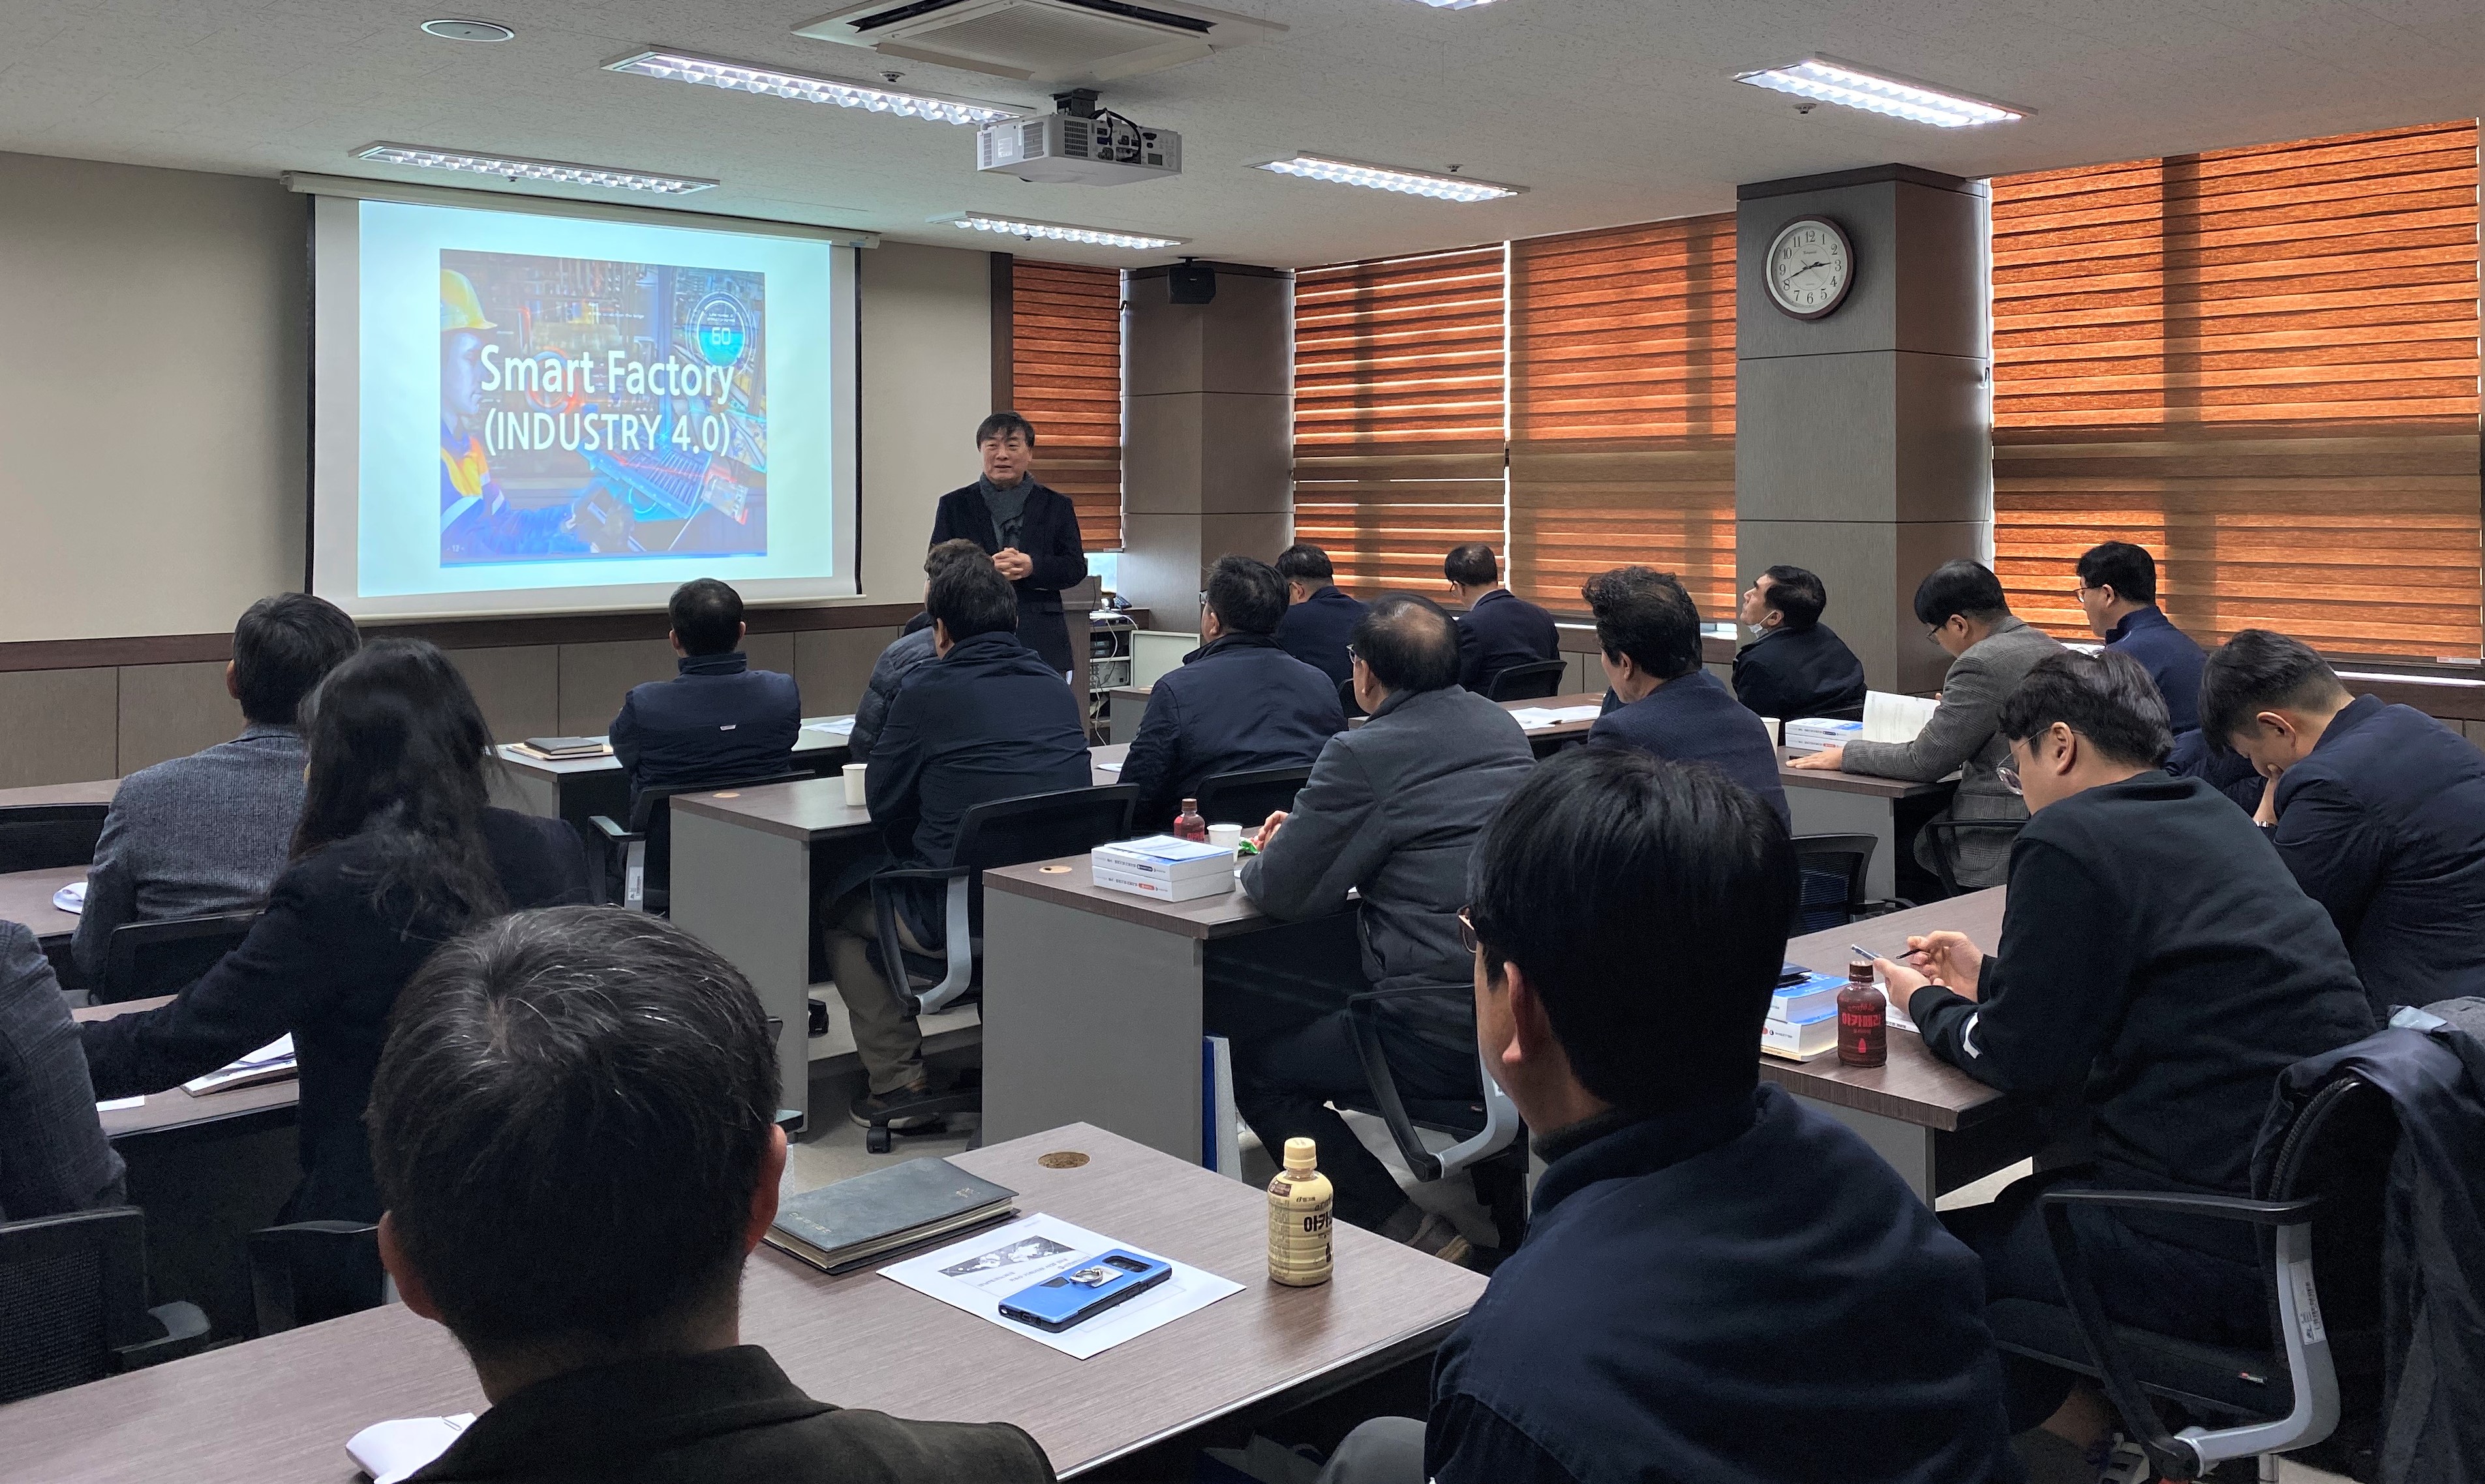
point(1721, 1281)
point(1391, 811)
point(1499, 629)
point(718, 720)
point(1795, 665)
point(2117, 592)
point(210, 832)
point(1318, 614)
point(986, 720)
point(1670, 707)
point(1238, 703)
point(1962, 609)
point(912, 647)
point(574, 1125)
point(2379, 812)
point(2157, 966)
point(53, 1156)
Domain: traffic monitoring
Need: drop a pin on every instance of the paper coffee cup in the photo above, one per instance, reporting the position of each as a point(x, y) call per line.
point(854, 782)
point(1225, 836)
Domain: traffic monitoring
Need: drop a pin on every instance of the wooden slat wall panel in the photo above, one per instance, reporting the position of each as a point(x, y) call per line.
point(1623, 408)
point(1399, 414)
point(2261, 364)
point(1066, 362)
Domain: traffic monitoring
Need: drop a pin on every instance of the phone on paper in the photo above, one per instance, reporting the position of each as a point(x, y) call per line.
point(1085, 1291)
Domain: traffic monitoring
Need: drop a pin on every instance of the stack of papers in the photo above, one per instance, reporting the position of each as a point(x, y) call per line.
point(1890, 718)
point(1815, 734)
point(833, 726)
point(1165, 867)
point(1535, 719)
point(1803, 1018)
point(271, 1062)
point(978, 1274)
point(839, 1228)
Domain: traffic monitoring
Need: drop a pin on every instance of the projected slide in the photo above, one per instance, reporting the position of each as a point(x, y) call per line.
point(549, 412)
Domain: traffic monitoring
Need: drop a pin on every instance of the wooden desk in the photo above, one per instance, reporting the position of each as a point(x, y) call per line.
point(1125, 705)
point(1939, 1127)
point(579, 789)
point(1843, 803)
point(26, 897)
point(97, 792)
point(270, 1104)
point(278, 1410)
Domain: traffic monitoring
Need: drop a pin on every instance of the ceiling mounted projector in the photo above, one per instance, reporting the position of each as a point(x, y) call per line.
point(1041, 40)
point(1078, 145)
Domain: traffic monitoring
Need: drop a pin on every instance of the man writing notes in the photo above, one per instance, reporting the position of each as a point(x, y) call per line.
point(1795, 665)
point(1031, 531)
point(2118, 593)
point(1962, 609)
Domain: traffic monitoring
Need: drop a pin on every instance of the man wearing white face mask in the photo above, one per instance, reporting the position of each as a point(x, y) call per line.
point(1795, 665)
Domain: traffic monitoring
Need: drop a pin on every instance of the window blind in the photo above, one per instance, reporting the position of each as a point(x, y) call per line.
point(1399, 416)
point(2261, 364)
point(1623, 408)
point(1066, 374)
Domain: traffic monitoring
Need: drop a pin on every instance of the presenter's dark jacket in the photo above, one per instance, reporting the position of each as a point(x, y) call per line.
point(1638, 1336)
point(1237, 704)
point(987, 720)
point(728, 1417)
point(1316, 632)
point(1050, 536)
point(2383, 824)
point(1502, 630)
point(1794, 673)
point(2157, 962)
point(1690, 719)
point(718, 722)
point(323, 964)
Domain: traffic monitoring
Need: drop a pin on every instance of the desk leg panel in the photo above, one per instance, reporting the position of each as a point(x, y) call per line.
point(747, 894)
point(1089, 1020)
point(1907, 1146)
point(1835, 812)
point(521, 791)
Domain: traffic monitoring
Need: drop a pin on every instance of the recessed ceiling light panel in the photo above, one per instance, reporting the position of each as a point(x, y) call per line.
point(1057, 231)
point(769, 82)
point(1849, 85)
point(1383, 177)
point(467, 30)
point(1455, 5)
point(512, 168)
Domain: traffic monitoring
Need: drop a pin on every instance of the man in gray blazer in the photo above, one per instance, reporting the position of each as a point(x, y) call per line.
point(1392, 811)
point(210, 832)
point(1964, 610)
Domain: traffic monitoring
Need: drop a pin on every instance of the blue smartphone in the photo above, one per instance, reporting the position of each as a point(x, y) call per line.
point(1085, 1291)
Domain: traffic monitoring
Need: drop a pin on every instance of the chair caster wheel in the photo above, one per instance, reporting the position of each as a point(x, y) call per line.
point(876, 1138)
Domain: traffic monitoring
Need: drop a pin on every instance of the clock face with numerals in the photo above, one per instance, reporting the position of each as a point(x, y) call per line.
point(1810, 265)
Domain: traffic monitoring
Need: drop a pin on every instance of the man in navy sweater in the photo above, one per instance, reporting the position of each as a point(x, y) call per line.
point(2378, 810)
point(1319, 616)
point(1670, 707)
point(2117, 591)
point(718, 720)
point(1720, 1283)
point(1499, 629)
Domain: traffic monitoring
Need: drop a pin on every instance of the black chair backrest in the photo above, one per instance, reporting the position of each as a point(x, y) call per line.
point(1346, 700)
point(1248, 798)
point(1831, 869)
point(2339, 1148)
point(141, 959)
point(1527, 682)
point(72, 1291)
point(1038, 826)
point(314, 1270)
point(42, 837)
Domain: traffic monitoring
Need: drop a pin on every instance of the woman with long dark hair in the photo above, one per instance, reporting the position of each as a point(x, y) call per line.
point(396, 853)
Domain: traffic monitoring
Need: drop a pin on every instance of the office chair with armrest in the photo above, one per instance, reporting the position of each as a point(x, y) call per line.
point(639, 861)
point(1346, 700)
point(1831, 869)
point(1493, 1145)
point(1000, 832)
point(1946, 833)
point(1532, 682)
point(307, 1271)
point(42, 837)
point(142, 959)
point(74, 1303)
point(1248, 798)
point(2322, 1210)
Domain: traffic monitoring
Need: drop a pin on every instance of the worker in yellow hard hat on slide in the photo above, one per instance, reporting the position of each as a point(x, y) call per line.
point(476, 521)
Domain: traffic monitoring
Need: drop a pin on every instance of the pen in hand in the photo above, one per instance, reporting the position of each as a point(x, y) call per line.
point(1901, 956)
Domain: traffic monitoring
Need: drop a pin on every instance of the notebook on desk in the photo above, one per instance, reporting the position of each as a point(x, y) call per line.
point(271, 1062)
point(564, 750)
point(839, 1228)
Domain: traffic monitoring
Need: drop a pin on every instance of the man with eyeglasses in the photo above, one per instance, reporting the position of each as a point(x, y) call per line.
point(2158, 968)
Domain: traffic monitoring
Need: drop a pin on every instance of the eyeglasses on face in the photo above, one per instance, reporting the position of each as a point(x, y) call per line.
point(1467, 938)
point(2009, 773)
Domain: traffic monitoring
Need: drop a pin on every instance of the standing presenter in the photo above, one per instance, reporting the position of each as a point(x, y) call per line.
point(1031, 531)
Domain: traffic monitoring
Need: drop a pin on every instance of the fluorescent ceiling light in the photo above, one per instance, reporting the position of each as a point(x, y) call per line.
point(1455, 5)
point(511, 168)
point(1057, 231)
point(1381, 177)
point(743, 77)
point(1849, 86)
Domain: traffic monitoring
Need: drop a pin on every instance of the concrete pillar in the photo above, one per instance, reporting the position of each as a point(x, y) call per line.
point(1863, 440)
point(1207, 433)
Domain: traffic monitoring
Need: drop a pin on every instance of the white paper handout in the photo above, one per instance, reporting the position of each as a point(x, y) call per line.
point(976, 1274)
point(70, 897)
point(835, 726)
point(1535, 719)
point(271, 1062)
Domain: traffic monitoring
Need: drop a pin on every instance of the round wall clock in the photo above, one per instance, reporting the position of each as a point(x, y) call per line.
point(1809, 267)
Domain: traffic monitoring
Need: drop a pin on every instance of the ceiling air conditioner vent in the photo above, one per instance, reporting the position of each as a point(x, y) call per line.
point(1041, 40)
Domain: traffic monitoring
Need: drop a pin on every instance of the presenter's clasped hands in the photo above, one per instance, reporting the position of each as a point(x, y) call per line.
point(1014, 564)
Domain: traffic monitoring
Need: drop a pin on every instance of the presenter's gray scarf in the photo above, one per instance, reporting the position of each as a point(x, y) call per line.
point(1008, 507)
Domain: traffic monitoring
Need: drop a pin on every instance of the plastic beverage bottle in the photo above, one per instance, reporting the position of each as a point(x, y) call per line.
point(1190, 826)
point(1863, 1018)
point(1299, 1201)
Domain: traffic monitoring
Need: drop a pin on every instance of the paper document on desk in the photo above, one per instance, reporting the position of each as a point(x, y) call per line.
point(1890, 718)
point(70, 897)
point(978, 1273)
point(271, 1062)
point(835, 726)
point(1535, 719)
point(388, 1451)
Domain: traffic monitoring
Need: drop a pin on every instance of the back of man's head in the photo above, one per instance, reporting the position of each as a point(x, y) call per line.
point(2260, 670)
point(1646, 614)
point(1966, 588)
point(706, 615)
point(968, 598)
point(2105, 697)
point(1306, 563)
point(570, 1124)
point(1408, 643)
point(2129, 570)
point(1799, 596)
point(948, 552)
point(1575, 881)
point(1247, 596)
point(281, 648)
point(1471, 565)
